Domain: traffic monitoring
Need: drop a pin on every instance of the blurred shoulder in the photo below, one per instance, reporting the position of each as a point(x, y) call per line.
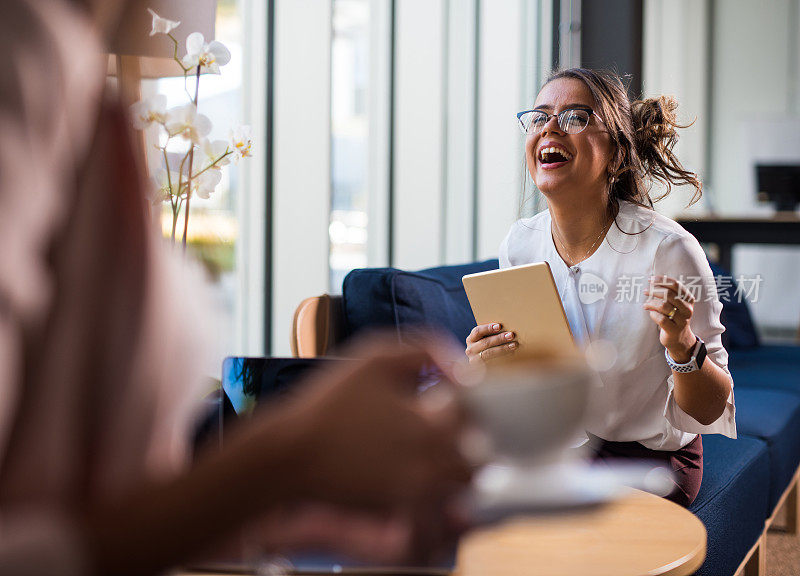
point(53, 72)
point(51, 80)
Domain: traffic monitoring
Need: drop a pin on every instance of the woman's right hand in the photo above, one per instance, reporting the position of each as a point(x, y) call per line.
point(489, 341)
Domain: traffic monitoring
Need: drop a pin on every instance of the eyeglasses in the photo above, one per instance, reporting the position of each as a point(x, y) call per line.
point(570, 120)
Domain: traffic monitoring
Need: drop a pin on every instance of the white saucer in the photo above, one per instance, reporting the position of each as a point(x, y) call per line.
point(502, 490)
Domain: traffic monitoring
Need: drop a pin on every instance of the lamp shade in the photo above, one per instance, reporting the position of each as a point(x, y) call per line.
point(155, 52)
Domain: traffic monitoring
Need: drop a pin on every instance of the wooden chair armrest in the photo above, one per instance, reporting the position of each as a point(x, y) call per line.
point(317, 326)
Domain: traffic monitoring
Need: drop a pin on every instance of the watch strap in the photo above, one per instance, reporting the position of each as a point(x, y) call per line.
point(695, 362)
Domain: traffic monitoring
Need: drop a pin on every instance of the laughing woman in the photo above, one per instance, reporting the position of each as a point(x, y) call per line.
point(593, 154)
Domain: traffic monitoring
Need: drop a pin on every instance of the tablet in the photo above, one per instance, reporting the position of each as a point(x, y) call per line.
point(524, 300)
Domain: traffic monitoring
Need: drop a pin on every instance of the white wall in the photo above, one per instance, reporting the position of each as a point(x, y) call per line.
point(379, 118)
point(460, 99)
point(301, 180)
point(419, 132)
point(251, 291)
point(675, 63)
point(501, 94)
point(751, 83)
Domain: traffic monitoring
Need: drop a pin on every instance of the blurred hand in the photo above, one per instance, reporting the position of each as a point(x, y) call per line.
point(380, 539)
point(369, 442)
point(488, 341)
point(321, 528)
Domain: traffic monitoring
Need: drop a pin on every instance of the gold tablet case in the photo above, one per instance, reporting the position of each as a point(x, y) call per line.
point(524, 300)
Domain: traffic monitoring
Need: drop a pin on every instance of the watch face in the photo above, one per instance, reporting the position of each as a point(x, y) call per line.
point(701, 355)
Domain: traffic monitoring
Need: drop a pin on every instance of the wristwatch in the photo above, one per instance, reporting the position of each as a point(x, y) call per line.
point(694, 363)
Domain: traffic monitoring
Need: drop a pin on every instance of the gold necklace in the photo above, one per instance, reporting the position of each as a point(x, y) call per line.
point(564, 247)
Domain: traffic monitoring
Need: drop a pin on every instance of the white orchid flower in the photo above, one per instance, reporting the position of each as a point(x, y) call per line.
point(185, 121)
point(208, 167)
point(242, 142)
point(148, 111)
point(215, 152)
point(205, 184)
point(208, 56)
point(160, 190)
point(162, 25)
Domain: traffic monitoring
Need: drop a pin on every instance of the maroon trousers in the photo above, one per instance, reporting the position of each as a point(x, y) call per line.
point(686, 463)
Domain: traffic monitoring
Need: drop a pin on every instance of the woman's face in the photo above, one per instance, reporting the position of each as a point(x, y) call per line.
point(588, 152)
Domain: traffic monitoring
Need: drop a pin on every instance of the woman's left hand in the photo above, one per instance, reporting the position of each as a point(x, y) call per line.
point(670, 305)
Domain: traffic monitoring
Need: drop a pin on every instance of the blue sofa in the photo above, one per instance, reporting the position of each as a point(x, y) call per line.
point(745, 480)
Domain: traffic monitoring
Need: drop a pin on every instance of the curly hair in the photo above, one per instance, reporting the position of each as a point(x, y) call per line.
point(643, 134)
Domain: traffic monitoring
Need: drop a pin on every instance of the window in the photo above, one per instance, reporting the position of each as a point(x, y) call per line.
point(350, 65)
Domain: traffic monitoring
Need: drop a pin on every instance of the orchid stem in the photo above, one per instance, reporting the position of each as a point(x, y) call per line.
point(189, 178)
point(172, 200)
point(175, 54)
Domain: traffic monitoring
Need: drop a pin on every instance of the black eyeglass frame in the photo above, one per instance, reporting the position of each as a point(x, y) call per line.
point(558, 117)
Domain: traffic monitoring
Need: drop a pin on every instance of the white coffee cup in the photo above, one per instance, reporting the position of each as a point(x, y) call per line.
point(530, 411)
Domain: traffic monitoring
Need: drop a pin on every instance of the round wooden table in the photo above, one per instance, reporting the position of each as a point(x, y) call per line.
point(637, 535)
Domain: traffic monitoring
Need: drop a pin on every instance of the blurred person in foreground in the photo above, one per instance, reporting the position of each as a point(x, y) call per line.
point(97, 399)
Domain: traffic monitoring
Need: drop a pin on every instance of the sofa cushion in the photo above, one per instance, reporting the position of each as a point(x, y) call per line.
point(732, 502)
point(380, 297)
point(770, 355)
point(772, 416)
point(740, 331)
point(774, 367)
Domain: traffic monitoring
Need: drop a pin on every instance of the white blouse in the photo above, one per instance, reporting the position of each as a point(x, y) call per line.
point(603, 298)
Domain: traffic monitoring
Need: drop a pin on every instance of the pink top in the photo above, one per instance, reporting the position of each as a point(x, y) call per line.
point(95, 366)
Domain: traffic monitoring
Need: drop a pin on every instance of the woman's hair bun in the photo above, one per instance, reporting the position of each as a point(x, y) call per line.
point(655, 133)
point(655, 124)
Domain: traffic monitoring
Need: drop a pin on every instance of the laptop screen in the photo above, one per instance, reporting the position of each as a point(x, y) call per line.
point(249, 382)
